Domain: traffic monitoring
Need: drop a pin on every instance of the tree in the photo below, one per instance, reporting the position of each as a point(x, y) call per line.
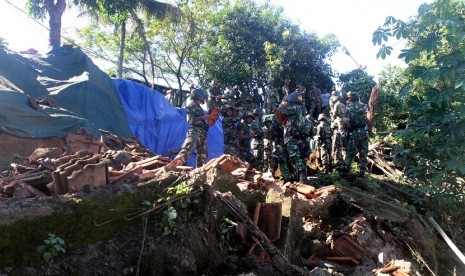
point(359, 81)
point(434, 139)
point(120, 11)
point(177, 40)
point(392, 98)
point(255, 42)
point(55, 9)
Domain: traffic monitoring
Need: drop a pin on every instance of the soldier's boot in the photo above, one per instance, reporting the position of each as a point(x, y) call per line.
point(303, 177)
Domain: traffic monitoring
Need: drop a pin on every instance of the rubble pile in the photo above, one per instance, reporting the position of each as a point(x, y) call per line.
point(294, 227)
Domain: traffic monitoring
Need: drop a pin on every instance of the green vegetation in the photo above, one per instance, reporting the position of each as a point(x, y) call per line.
point(78, 222)
point(433, 140)
point(52, 247)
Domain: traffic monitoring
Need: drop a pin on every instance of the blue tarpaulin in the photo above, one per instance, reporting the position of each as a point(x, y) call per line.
point(158, 125)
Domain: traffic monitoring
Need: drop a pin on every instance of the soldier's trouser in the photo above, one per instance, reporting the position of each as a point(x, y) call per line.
point(324, 156)
point(312, 109)
point(197, 141)
point(295, 156)
point(268, 161)
point(258, 153)
point(280, 156)
point(338, 149)
point(358, 143)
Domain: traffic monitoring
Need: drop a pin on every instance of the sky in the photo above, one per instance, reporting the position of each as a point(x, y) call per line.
point(352, 21)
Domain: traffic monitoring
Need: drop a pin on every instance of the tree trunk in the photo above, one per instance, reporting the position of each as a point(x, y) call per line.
point(55, 12)
point(121, 49)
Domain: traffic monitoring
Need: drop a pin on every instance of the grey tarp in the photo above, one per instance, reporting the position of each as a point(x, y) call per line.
point(86, 96)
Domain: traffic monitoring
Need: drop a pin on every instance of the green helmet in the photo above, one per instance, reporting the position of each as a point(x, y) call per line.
point(322, 117)
point(198, 94)
point(353, 96)
point(258, 112)
point(294, 97)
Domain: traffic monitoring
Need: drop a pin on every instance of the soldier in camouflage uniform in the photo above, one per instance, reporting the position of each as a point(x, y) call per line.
point(293, 132)
point(268, 161)
point(314, 101)
point(271, 95)
point(257, 100)
point(245, 133)
point(357, 132)
point(229, 97)
point(303, 92)
point(246, 101)
point(257, 142)
point(285, 90)
point(196, 136)
point(215, 94)
point(339, 122)
point(323, 138)
point(279, 152)
point(306, 135)
point(231, 141)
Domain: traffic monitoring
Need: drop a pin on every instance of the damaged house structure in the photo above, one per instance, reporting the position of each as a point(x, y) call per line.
point(83, 157)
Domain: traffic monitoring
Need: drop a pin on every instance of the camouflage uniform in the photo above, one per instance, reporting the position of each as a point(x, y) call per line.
point(257, 100)
point(214, 96)
point(246, 100)
point(339, 139)
point(286, 90)
point(245, 133)
point(257, 142)
point(231, 140)
point(292, 135)
point(306, 136)
point(303, 92)
point(279, 152)
point(196, 136)
point(229, 97)
point(271, 99)
point(324, 142)
point(268, 162)
point(313, 101)
point(358, 135)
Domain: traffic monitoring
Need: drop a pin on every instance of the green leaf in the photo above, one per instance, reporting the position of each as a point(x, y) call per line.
point(462, 169)
point(380, 35)
point(47, 256)
point(389, 21)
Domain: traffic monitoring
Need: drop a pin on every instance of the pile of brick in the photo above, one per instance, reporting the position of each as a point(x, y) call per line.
point(85, 163)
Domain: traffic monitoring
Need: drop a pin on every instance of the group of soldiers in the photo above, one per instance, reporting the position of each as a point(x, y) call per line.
point(278, 131)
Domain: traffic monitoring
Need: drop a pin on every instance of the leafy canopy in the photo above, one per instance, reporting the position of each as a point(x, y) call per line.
point(435, 137)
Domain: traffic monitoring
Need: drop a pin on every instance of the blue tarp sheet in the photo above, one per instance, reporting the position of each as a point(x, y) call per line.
point(160, 126)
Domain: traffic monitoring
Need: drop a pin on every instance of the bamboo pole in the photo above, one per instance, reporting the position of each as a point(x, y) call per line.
point(448, 241)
